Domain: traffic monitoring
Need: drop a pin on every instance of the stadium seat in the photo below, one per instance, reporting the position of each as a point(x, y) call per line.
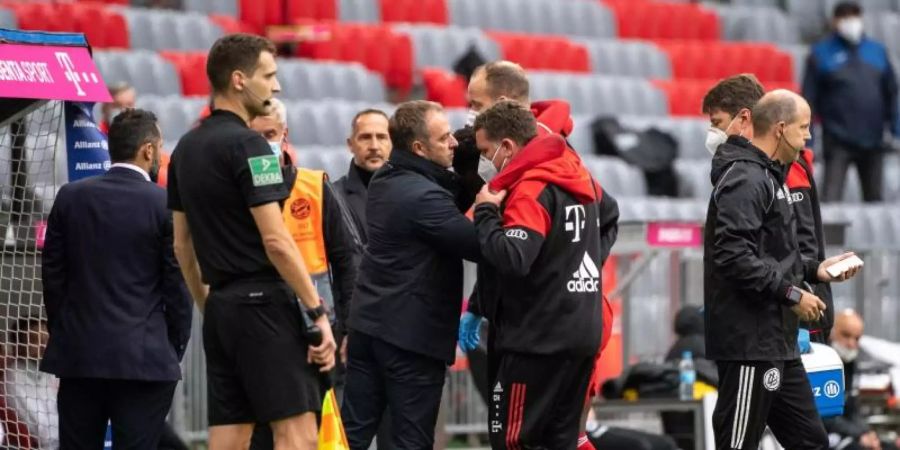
point(757, 24)
point(616, 176)
point(582, 139)
point(146, 71)
point(716, 60)
point(693, 178)
point(598, 94)
point(229, 24)
point(438, 46)
point(176, 114)
point(219, 7)
point(325, 123)
point(328, 80)
point(103, 27)
point(444, 87)
point(334, 163)
point(630, 58)
point(193, 81)
point(376, 46)
point(543, 52)
point(414, 11)
point(253, 13)
point(810, 17)
point(650, 19)
point(307, 9)
point(8, 18)
point(570, 17)
point(362, 11)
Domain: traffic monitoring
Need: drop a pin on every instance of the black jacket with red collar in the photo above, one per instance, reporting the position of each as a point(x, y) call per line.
point(540, 281)
point(810, 235)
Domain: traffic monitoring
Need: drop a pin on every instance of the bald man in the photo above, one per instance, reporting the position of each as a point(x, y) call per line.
point(753, 284)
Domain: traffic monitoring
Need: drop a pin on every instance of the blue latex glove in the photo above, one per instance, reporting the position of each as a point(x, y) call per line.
point(803, 340)
point(469, 331)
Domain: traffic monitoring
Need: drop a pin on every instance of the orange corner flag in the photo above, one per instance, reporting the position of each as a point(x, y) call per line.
point(331, 433)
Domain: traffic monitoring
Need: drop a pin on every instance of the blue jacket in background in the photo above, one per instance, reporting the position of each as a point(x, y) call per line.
point(853, 90)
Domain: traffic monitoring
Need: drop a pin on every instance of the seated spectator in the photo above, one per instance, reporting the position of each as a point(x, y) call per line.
point(30, 392)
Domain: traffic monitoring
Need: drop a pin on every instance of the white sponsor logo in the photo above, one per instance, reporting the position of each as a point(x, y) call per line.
point(586, 278)
point(576, 212)
point(797, 197)
point(498, 388)
point(66, 63)
point(772, 379)
point(517, 234)
point(832, 389)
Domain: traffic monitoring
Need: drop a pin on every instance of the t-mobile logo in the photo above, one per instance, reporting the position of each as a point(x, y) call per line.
point(575, 220)
point(63, 59)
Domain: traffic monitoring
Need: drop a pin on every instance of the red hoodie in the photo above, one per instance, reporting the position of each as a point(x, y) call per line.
point(544, 252)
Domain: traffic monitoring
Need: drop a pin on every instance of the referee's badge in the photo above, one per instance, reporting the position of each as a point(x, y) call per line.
point(772, 379)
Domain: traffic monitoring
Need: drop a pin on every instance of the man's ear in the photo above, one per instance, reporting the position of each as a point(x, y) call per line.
point(418, 149)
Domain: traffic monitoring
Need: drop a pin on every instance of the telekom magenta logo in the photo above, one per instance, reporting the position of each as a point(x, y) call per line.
point(72, 75)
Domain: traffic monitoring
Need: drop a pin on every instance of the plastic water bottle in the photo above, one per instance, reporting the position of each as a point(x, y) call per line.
point(687, 376)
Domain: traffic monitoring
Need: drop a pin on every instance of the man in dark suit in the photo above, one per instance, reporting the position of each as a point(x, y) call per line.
point(118, 311)
point(405, 309)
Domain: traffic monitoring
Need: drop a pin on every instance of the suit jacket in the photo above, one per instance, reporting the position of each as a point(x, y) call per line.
point(117, 306)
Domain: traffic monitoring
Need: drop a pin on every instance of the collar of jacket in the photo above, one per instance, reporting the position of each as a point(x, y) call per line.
point(354, 180)
point(539, 150)
point(407, 160)
point(739, 148)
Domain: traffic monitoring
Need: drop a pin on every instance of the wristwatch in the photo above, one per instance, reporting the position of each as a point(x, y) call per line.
point(315, 313)
point(793, 295)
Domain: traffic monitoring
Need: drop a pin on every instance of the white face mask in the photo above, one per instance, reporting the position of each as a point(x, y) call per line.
point(470, 117)
point(714, 138)
point(848, 355)
point(276, 147)
point(851, 29)
point(486, 169)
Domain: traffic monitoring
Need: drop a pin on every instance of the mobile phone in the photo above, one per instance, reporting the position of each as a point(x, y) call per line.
point(836, 269)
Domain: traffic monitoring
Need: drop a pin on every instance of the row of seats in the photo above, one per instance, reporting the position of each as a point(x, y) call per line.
point(171, 73)
point(686, 96)
point(170, 30)
point(649, 19)
point(440, 46)
point(716, 60)
point(103, 27)
point(378, 47)
point(543, 52)
point(759, 24)
point(568, 17)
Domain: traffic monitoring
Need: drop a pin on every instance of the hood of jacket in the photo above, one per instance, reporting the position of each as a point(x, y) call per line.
point(547, 158)
point(556, 115)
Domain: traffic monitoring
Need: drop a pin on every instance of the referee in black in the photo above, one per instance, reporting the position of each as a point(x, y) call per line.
point(226, 188)
point(753, 278)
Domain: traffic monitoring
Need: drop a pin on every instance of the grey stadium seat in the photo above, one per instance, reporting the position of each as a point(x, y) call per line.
point(810, 16)
point(868, 6)
point(223, 7)
point(170, 30)
point(616, 176)
point(329, 80)
point(799, 55)
point(333, 161)
point(693, 178)
point(367, 11)
point(324, 123)
point(176, 114)
point(627, 58)
point(764, 3)
point(438, 46)
point(758, 24)
point(146, 71)
point(581, 138)
point(8, 19)
point(574, 17)
point(597, 94)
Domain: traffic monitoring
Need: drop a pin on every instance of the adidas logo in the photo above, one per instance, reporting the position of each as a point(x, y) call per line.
point(586, 278)
point(498, 389)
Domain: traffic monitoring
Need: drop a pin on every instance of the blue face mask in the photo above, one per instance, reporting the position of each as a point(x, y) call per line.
point(276, 147)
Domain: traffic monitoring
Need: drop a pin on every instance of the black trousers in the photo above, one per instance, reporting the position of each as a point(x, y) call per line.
point(536, 401)
point(137, 410)
point(381, 375)
point(753, 394)
point(869, 165)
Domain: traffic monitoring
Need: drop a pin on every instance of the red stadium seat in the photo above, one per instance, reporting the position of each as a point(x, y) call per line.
point(649, 19)
point(377, 47)
point(685, 96)
point(103, 27)
point(543, 52)
point(414, 11)
point(253, 13)
point(310, 10)
point(229, 24)
point(444, 87)
point(191, 67)
point(715, 60)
